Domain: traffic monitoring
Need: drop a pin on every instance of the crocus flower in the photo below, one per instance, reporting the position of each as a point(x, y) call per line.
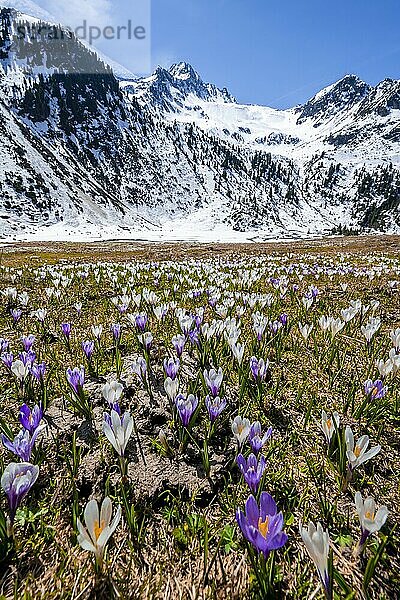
point(16, 314)
point(213, 380)
point(171, 387)
point(112, 392)
point(252, 470)
point(66, 329)
point(186, 407)
point(7, 359)
point(256, 438)
point(23, 443)
point(215, 406)
point(28, 341)
point(38, 370)
point(27, 358)
point(99, 527)
point(240, 430)
point(16, 481)
point(4, 344)
point(357, 451)
point(20, 370)
point(141, 322)
point(171, 367)
point(305, 330)
point(88, 349)
point(283, 319)
point(76, 379)
point(30, 419)
point(116, 331)
point(97, 330)
point(146, 339)
point(262, 525)
point(139, 368)
point(316, 541)
point(371, 519)
point(259, 368)
point(118, 430)
point(375, 389)
point(329, 424)
point(178, 342)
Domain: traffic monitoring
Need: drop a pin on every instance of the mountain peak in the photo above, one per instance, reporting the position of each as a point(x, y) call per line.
point(183, 71)
point(332, 99)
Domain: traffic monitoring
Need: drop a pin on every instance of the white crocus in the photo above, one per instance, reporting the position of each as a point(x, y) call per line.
point(171, 387)
point(112, 392)
point(356, 452)
point(371, 519)
point(19, 369)
point(316, 541)
point(394, 358)
point(385, 367)
point(395, 338)
point(99, 527)
point(324, 322)
point(238, 351)
point(118, 431)
point(97, 330)
point(329, 424)
point(305, 330)
point(240, 429)
point(335, 326)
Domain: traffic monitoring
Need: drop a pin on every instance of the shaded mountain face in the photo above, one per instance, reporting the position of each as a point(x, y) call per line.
point(338, 97)
point(84, 154)
point(169, 90)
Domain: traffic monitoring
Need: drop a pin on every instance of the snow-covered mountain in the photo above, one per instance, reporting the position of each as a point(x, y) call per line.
point(84, 153)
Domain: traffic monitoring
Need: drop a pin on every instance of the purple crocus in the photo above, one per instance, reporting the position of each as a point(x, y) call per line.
point(88, 349)
point(27, 358)
point(194, 336)
point(66, 329)
point(38, 370)
point(139, 367)
point(213, 380)
point(252, 470)
point(262, 525)
point(171, 367)
point(283, 319)
point(16, 314)
point(30, 419)
point(23, 443)
point(375, 389)
point(16, 481)
point(116, 331)
point(28, 341)
point(8, 359)
point(76, 379)
point(215, 407)
point(141, 321)
point(3, 345)
point(186, 407)
point(178, 342)
point(256, 438)
point(259, 368)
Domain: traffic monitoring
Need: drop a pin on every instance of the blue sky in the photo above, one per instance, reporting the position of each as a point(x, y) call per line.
point(274, 53)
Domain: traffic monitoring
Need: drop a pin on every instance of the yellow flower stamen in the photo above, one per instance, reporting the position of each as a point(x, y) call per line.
point(263, 526)
point(329, 423)
point(357, 451)
point(98, 528)
point(370, 516)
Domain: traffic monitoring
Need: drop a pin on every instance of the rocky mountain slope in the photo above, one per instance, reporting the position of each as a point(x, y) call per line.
point(84, 154)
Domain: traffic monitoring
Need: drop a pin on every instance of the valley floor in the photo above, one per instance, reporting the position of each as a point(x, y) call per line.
point(121, 250)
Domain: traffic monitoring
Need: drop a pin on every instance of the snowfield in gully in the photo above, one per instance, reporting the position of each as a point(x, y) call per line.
point(222, 427)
